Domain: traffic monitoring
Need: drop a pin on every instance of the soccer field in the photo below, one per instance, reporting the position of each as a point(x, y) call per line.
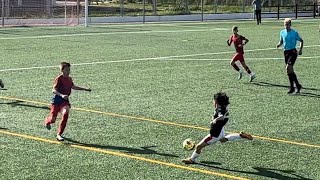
point(152, 88)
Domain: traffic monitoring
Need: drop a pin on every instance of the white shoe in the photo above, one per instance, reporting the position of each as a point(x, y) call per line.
point(60, 138)
point(252, 76)
point(240, 75)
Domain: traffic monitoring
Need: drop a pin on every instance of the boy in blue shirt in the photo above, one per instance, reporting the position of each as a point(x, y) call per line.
point(289, 38)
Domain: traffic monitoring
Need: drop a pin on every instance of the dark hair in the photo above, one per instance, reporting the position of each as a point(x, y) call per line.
point(64, 64)
point(222, 98)
point(234, 28)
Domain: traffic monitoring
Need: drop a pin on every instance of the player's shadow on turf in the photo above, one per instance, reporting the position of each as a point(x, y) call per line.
point(261, 83)
point(266, 172)
point(141, 150)
point(21, 103)
point(3, 128)
point(306, 94)
point(3, 89)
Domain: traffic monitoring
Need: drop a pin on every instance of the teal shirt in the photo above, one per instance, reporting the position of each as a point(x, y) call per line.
point(289, 39)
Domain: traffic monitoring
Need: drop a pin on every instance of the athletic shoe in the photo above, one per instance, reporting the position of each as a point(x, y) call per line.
point(291, 91)
point(48, 126)
point(60, 138)
point(246, 135)
point(299, 87)
point(252, 76)
point(240, 75)
point(188, 161)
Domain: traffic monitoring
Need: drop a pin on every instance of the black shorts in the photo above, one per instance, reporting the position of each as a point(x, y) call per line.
point(290, 56)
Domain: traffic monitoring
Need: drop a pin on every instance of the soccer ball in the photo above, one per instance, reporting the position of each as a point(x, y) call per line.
point(188, 144)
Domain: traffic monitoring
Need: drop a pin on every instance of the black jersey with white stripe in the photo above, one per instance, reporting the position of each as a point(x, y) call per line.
point(217, 125)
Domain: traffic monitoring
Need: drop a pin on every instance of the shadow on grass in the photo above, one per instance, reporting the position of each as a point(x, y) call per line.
point(3, 128)
point(306, 94)
point(260, 171)
point(21, 103)
point(3, 89)
point(141, 150)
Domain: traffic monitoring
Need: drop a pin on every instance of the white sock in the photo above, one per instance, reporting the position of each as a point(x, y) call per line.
point(232, 137)
point(194, 155)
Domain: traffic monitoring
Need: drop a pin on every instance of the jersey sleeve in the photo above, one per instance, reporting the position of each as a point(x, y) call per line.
point(280, 36)
point(298, 38)
point(56, 83)
point(230, 39)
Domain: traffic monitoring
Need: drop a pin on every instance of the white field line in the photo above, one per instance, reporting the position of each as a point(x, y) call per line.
point(280, 58)
point(159, 58)
point(111, 33)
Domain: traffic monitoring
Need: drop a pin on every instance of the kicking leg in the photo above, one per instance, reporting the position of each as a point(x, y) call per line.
point(195, 154)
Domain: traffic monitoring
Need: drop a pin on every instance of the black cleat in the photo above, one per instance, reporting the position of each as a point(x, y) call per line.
point(299, 87)
point(291, 91)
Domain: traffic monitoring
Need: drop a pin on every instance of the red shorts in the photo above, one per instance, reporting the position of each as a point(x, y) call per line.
point(238, 57)
point(56, 108)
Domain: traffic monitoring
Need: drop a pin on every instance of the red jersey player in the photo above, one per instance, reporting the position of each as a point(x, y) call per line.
point(60, 102)
point(239, 41)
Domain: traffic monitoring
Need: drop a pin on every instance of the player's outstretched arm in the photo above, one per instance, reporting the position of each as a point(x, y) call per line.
point(81, 88)
point(245, 41)
point(229, 42)
point(280, 43)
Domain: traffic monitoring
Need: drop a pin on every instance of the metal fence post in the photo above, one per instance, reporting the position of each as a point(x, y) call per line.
point(201, 10)
point(121, 7)
point(278, 14)
point(296, 11)
point(144, 11)
point(2, 11)
point(314, 10)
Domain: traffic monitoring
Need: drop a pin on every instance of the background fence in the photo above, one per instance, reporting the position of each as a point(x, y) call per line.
point(72, 12)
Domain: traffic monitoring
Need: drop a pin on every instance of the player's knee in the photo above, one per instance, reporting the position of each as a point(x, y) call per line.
point(53, 118)
point(65, 110)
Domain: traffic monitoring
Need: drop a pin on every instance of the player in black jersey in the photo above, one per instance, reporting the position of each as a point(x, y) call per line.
point(217, 133)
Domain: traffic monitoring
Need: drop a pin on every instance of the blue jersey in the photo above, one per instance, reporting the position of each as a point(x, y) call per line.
point(289, 39)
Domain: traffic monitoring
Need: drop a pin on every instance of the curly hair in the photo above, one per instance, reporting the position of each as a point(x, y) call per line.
point(64, 64)
point(221, 98)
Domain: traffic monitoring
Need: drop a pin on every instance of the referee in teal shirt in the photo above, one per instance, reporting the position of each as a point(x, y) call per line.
point(289, 38)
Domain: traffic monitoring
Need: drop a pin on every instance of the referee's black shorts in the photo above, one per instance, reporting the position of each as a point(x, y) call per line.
point(290, 56)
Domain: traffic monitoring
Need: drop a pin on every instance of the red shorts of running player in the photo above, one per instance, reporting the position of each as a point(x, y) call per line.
point(56, 108)
point(238, 57)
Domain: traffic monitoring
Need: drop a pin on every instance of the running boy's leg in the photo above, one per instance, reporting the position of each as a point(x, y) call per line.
point(235, 58)
point(63, 123)
point(206, 141)
point(251, 74)
point(54, 110)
